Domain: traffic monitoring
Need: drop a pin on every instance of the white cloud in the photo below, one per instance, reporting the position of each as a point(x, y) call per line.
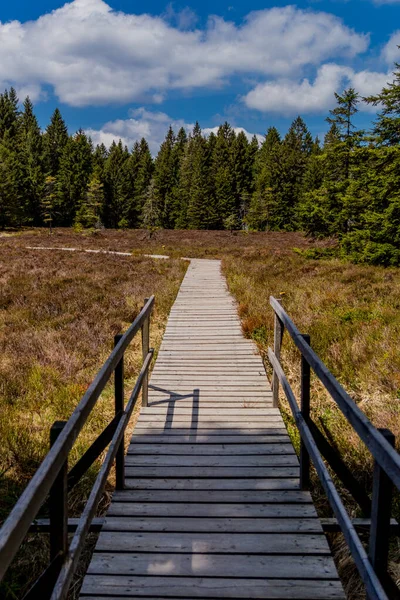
point(152, 125)
point(391, 51)
point(386, 1)
point(290, 97)
point(90, 54)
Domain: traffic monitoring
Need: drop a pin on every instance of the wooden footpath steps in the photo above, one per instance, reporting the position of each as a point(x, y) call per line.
point(212, 506)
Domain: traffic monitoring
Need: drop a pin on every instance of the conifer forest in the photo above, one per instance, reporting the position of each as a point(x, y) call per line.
point(346, 186)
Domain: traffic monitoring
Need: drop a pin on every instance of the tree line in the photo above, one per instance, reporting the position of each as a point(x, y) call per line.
point(348, 186)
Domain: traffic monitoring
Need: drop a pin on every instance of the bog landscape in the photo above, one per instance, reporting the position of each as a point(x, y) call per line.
point(199, 339)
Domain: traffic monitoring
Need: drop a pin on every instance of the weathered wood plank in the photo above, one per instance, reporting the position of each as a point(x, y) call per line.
point(209, 496)
point(210, 449)
point(171, 509)
point(196, 587)
point(235, 484)
point(211, 565)
point(236, 440)
point(223, 472)
point(235, 543)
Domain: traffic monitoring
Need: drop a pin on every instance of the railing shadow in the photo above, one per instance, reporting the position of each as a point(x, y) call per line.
point(171, 402)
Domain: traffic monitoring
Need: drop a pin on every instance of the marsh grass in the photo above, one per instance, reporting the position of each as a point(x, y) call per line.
point(59, 313)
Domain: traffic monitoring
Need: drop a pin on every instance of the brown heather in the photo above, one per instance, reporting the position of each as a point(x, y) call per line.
point(62, 309)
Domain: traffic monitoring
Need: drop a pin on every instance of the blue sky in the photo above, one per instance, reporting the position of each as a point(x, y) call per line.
point(125, 69)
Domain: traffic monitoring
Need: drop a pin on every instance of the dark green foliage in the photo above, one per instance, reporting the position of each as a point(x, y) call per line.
point(387, 126)
point(54, 142)
point(73, 176)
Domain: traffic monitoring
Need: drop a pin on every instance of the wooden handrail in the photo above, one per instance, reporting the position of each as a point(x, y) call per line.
point(24, 512)
point(379, 447)
point(372, 566)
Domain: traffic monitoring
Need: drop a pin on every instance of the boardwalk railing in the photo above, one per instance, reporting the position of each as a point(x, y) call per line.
point(52, 481)
point(371, 563)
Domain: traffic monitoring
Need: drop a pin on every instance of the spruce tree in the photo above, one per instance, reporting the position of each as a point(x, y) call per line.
point(11, 211)
point(342, 116)
point(73, 177)
point(89, 212)
point(151, 212)
point(144, 173)
point(117, 188)
point(223, 169)
point(178, 152)
point(386, 129)
point(31, 175)
point(49, 202)
point(54, 142)
point(164, 180)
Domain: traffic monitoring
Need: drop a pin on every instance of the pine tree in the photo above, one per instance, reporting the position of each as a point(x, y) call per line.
point(9, 114)
point(184, 186)
point(386, 129)
point(144, 173)
point(223, 169)
point(151, 213)
point(54, 141)
point(342, 117)
point(11, 213)
point(49, 201)
point(200, 212)
point(164, 180)
point(178, 152)
point(88, 214)
point(31, 175)
point(117, 189)
point(73, 177)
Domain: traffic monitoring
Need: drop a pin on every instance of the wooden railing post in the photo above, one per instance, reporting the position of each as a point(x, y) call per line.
point(305, 411)
point(145, 351)
point(382, 492)
point(278, 335)
point(119, 408)
point(58, 503)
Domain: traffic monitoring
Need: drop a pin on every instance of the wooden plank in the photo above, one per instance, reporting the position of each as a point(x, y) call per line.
point(211, 449)
point(237, 440)
point(236, 484)
point(272, 429)
point(256, 420)
point(211, 524)
point(211, 565)
point(230, 543)
point(208, 496)
point(226, 412)
point(165, 471)
point(197, 587)
point(238, 462)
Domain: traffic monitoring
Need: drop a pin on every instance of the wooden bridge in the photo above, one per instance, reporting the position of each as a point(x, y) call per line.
point(210, 502)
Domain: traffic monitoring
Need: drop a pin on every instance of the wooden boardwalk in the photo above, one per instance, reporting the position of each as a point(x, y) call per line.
point(212, 506)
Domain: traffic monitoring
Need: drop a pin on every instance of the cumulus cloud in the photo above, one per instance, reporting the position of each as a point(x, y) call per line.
point(391, 51)
point(152, 125)
point(90, 54)
point(291, 97)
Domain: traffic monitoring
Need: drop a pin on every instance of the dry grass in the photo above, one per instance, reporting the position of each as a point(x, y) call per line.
point(58, 315)
point(194, 244)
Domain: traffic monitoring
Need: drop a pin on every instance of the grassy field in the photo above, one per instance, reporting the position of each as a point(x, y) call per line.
point(351, 312)
point(59, 313)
